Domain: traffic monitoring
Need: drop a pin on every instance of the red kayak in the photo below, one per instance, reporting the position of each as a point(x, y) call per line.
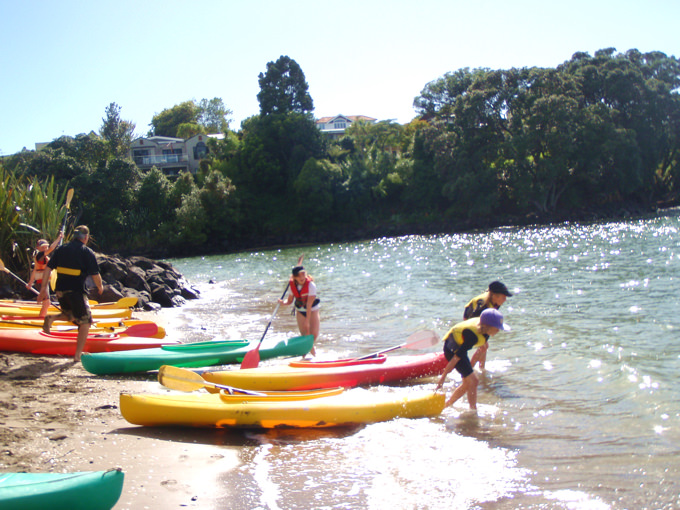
point(307, 375)
point(62, 343)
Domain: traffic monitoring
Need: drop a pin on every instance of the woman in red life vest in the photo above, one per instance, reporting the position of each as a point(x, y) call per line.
point(40, 260)
point(303, 292)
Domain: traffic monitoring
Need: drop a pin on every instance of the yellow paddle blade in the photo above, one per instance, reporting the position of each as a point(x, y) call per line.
point(180, 379)
point(53, 280)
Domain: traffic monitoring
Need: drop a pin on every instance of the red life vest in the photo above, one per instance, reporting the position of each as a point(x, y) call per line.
point(41, 261)
point(302, 294)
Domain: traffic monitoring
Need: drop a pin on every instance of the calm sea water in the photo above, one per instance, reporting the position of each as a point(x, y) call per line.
point(579, 405)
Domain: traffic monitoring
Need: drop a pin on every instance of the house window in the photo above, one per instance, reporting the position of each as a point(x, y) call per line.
point(341, 124)
point(200, 151)
point(138, 155)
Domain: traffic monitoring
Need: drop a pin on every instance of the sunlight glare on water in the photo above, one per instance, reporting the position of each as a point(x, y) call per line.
point(581, 397)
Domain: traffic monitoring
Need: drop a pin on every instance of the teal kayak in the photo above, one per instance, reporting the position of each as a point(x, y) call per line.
point(199, 354)
point(88, 490)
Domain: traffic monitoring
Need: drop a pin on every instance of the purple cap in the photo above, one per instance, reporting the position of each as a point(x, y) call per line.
point(494, 318)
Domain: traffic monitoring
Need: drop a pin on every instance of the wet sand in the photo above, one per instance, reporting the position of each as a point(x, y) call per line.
point(57, 417)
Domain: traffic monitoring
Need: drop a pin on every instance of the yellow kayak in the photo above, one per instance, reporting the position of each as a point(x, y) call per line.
point(125, 302)
point(358, 406)
point(34, 311)
point(116, 327)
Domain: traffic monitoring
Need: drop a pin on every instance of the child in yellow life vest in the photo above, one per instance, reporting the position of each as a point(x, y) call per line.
point(40, 260)
point(492, 298)
point(458, 341)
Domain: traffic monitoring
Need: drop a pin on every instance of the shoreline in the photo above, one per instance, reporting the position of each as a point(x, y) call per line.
point(57, 417)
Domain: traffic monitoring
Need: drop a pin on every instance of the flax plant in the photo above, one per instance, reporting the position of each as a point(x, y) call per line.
point(29, 209)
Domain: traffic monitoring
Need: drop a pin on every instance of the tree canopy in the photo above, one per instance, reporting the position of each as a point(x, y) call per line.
point(283, 89)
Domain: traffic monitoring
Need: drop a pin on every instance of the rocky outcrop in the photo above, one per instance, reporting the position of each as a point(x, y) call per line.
point(154, 283)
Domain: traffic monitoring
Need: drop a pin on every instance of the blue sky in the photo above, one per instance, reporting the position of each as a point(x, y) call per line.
point(63, 62)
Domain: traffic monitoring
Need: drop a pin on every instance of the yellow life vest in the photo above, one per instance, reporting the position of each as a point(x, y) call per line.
point(456, 332)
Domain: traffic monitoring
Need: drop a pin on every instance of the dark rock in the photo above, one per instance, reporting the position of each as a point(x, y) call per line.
point(155, 284)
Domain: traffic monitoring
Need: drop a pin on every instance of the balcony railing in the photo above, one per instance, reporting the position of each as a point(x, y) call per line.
point(165, 159)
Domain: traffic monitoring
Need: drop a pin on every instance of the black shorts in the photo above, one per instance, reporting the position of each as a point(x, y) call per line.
point(75, 306)
point(463, 367)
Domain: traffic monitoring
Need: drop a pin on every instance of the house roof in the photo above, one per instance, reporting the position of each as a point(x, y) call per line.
point(351, 118)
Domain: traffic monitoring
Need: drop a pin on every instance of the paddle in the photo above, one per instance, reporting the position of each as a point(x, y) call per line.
point(417, 340)
point(145, 329)
point(252, 357)
point(124, 302)
point(3, 268)
point(69, 197)
point(181, 379)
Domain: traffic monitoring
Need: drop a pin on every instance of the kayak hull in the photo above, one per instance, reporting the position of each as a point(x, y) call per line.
point(200, 354)
point(89, 490)
point(210, 410)
point(286, 377)
point(34, 341)
point(97, 313)
point(104, 326)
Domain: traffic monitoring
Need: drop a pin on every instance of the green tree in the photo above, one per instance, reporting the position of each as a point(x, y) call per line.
point(283, 89)
point(167, 122)
point(117, 132)
point(214, 115)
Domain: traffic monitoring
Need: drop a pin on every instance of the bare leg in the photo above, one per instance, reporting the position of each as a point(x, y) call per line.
point(469, 386)
point(49, 319)
point(302, 326)
point(83, 331)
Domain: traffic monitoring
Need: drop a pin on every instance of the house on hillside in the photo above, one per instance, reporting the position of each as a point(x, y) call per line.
point(335, 127)
point(170, 155)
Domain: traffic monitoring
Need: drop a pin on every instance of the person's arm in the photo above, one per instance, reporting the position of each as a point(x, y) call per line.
point(449, 366)
point(29, 284)
point(55, 244)
point(97, 279)
point(480, 356)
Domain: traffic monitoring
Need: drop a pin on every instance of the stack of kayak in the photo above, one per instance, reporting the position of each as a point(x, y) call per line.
point(300, 394)
point(88, 490)
point(63, 343)
point(122, 327)
point(119, 309)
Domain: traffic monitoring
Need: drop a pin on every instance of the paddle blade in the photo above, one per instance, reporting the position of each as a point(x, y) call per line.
point(53, 280)
point(145, 329)
point(252, 358)
point(418, 340)
point(69, 197)
point(422, 340)
point(180, 379)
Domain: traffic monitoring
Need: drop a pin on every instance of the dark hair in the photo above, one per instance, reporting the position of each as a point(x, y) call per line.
point(297, 269)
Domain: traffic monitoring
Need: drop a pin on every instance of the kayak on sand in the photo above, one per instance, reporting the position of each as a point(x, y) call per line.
point(199, 354)
point(88, 490)
point(35, 341)
point(34, 312)
point(112, 326)
point(349, 408)
point(325, 374)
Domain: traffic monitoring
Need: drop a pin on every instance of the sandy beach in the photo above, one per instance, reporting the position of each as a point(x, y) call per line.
point(57, 417)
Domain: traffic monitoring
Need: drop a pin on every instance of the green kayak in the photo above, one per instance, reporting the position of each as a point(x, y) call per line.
point(88, 490)
point(199, 354)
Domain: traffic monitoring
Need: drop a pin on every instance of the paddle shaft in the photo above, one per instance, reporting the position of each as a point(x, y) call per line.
point(429, 338)
point(69, 197)
point(252, 357)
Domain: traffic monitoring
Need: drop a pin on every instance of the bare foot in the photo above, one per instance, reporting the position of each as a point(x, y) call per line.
point(47, 324)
